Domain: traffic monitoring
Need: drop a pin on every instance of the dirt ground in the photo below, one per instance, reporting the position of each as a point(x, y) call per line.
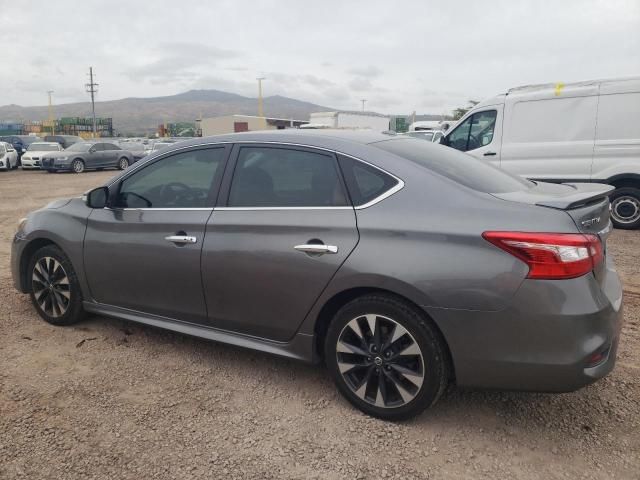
point(110, 399)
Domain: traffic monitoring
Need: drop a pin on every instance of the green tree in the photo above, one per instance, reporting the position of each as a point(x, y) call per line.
point(458, 113)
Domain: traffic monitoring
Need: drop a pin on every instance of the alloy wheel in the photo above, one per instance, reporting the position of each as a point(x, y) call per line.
point(124, 163)
point(51, 288)
point(625, 209)
point(78, 166)
point(380, 361)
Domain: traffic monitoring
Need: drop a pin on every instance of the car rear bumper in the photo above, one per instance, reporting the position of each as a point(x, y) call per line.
point(544, 341)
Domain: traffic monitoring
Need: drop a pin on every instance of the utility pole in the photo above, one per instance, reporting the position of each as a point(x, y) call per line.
point(260, 102)
point(364, 100)
point(92, 88)
point(51, 123)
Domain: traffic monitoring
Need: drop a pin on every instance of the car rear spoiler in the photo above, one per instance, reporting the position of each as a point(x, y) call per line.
point(583, 194)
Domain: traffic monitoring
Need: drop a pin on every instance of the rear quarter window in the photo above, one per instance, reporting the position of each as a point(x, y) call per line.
point(365, 182)
point(454, 165)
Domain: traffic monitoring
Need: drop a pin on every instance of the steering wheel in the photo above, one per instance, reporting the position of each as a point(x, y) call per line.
point(173, 191)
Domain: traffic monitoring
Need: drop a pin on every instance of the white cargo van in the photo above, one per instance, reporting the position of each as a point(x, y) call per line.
point(578, 132)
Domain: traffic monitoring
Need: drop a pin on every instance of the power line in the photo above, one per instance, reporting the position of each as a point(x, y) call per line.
point(92, 89)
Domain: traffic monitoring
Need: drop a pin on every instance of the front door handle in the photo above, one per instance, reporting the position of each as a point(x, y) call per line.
point(181, 239)
point(316, 248)
point(490, 154)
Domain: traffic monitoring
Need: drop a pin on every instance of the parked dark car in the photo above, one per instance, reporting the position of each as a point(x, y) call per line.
point(65, 140)
point(83, 156)
point(20, 142)
point(402, 264)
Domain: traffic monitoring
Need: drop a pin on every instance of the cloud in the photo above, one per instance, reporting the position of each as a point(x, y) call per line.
point(369, 71)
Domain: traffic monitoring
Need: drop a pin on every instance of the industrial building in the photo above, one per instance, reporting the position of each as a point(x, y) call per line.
point(349, 119)
point(245, 123)
point(80, 126)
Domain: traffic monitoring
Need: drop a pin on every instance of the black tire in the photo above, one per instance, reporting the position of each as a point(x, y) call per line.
point(625, 208)
point(77, 166)
point(431, 361)
point(53, 267)
point(123, 163)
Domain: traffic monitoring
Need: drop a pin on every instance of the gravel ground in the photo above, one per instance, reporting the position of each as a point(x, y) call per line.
point(109, 399)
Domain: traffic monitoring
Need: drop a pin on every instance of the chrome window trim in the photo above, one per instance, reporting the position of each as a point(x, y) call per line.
point(249, 209)
point(396, 188)
point(161, 209)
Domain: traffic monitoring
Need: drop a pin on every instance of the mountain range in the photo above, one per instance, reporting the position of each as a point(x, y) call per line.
point(143, 115)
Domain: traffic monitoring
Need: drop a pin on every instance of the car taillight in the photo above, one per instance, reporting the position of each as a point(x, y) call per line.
point(551, 255)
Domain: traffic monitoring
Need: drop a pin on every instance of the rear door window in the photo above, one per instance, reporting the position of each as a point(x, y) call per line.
point(285, 177)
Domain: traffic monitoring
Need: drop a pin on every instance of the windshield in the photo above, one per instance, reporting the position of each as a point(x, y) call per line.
point(80, 147)
point(43, 147)
point(27, 139)
point(456, 166)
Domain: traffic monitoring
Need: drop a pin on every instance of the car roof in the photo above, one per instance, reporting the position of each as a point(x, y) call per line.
point(326, 138)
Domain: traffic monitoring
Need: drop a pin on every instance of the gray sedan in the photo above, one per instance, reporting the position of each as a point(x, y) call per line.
point(401, 264)
point(83, 156)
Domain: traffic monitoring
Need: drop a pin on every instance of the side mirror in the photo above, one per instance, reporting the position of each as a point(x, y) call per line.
point(97, 198)
point(92, 150)
point(444, 140)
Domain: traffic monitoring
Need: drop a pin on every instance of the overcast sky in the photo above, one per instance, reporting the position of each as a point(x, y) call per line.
point(429, 56)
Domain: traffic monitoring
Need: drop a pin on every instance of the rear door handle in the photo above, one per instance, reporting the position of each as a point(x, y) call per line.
point(316, 248)
point(181, 239)
point(490, 154)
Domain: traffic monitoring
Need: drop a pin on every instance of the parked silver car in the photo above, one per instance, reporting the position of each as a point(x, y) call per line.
point(402, 264)
point(83, 156)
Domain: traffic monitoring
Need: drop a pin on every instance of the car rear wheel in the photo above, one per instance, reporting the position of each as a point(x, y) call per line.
point(55, 291)
point(386, 357)
point(77, 166)
point(123, 163)
point(625, 208)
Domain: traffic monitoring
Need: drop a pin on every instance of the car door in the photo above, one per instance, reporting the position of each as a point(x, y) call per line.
point(142, 252)
point(111, 155)
point(94, 157)
point(283, 228)
point(479, 134)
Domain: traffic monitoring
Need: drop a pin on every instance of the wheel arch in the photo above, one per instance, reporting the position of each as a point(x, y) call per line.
point(338, 300)
point(32, 247)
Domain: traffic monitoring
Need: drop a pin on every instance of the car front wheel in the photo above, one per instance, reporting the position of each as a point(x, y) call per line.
point(386, 357)
point(55, 291)
point(123, 163)
point(77, 166)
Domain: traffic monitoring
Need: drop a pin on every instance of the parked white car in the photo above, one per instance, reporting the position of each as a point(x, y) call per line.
point(8, 156)
point(32, 157)
point(579, 132)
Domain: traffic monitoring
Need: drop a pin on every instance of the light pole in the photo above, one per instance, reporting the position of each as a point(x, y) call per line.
point(53, 130)
point(260, 102)
point(364, 100)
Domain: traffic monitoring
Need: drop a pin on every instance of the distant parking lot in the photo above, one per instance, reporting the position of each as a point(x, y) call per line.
point(110, 399)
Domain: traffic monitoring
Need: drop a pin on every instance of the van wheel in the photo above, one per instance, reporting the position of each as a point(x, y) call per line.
point(386, 357)
point(625, 208)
